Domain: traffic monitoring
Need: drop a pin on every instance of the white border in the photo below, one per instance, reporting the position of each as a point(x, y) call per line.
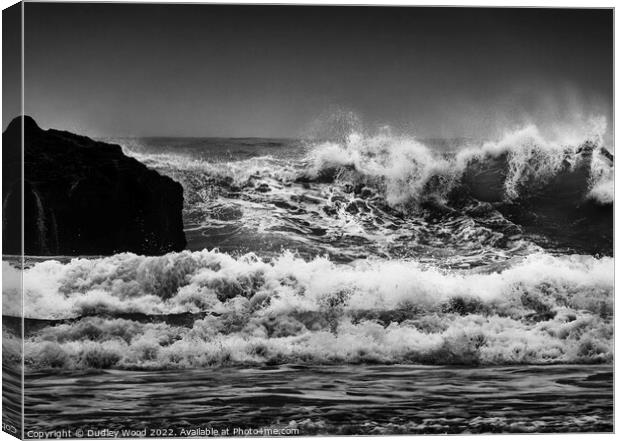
point(484, 3)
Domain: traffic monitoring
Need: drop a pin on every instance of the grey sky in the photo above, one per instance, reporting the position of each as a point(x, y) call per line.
point(200, 70)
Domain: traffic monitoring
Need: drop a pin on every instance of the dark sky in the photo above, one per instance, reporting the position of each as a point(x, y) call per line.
point(207, 70)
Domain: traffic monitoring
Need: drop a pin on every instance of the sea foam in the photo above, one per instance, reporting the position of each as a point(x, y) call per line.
point(409, 171)
point(539, 309)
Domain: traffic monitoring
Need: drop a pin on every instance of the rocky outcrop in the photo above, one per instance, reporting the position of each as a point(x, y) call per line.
point(84, 197)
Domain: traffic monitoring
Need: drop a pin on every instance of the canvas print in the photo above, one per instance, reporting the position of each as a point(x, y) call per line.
point(268, 220)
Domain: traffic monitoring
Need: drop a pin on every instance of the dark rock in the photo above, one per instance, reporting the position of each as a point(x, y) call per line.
point(84, 197)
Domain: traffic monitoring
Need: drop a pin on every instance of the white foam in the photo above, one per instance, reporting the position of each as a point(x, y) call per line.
point(406, 168)
point(193, 281)
point(601, 180)
point(542, 308)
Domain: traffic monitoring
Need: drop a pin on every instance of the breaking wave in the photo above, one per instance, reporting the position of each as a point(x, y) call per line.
point(408, 170)
point(363, 249)
point(520, 163)
point(204, 308)
point(392, 196)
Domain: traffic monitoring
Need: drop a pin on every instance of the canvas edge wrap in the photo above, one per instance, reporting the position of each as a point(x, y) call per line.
point(12, 221)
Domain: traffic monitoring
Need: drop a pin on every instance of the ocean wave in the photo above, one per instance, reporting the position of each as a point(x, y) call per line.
point(474, 339)
point(519, 164)
point(394, 196)
point(601, 185)
point(407, 171)
point(538, 309)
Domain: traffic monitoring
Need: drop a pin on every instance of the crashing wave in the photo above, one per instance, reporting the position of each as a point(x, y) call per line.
point(123, 311)
point(362, 192)
point(601, 186)
point(409, 171)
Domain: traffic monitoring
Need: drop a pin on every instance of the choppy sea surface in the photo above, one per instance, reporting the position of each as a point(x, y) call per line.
point(310, 400)
point(369, 284)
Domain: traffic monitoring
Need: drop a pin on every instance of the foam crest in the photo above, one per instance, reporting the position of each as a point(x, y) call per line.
point(406, 170)
point(401, 166)
point(602, 179)
point(530, 159)
point(209, 281)
point(448, 339)
point(539, 309)
point(409, 171)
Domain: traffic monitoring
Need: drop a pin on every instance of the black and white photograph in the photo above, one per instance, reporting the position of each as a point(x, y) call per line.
point(275, 220)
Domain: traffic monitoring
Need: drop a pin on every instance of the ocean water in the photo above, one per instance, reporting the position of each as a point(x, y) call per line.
point(311, 400)
point(366, 283)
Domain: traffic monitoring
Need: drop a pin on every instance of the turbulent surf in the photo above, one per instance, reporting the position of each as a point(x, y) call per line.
point(359, 248)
